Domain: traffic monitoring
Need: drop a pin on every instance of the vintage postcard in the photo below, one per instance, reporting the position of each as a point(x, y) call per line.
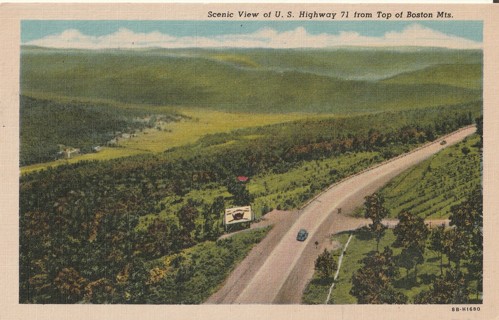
point(249, 160)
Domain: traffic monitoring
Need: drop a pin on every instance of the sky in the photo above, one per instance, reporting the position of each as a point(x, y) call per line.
point(90, 34)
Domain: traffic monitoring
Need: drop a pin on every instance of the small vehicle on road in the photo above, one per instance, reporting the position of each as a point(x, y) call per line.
point(302, 235)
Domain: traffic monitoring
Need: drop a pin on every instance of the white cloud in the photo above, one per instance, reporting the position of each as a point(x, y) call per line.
point(413, 35)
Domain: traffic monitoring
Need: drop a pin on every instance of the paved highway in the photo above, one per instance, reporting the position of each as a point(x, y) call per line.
point(277, 271)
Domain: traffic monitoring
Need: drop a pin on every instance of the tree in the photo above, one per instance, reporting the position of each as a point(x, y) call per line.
point(437, 243)
point(99, 291)
point(456, 246)
point(475, 258)
point(465, 150)
point(325, 264)
point(184, 272)
point(70, 285)
point(187, 216)
point(409, 258)
point(475, 270)
point(371, 284)
point(160, 238)
point(209, 230)
point(468, 215)
point(375, 210)
point(411, 233)
point(217, 207)
point(130, 286)
point(211, 216)
point(467, 238)
point(447, 289)
point(479, 128)
point(240, 195)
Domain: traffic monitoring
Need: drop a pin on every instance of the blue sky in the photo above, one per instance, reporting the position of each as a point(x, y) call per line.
point(52, 32)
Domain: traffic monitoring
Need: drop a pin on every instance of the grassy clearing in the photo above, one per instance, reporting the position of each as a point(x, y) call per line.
point(274, 190)
point(290, 189)
point(360, 246)
point(356, 251)
point(198, 123)
point(174, 203)
point(277, 190)
point(318, 288)
point(104, 154)
point(203, 122)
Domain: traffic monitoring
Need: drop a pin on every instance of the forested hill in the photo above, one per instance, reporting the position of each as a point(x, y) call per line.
point(91, 232)
point(140, 224)
point(258, 80)
point(48, 126)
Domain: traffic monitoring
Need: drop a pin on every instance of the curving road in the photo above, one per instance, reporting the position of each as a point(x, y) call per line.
point(277, 270)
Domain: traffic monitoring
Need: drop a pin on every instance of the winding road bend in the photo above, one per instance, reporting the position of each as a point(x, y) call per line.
point(277, 270)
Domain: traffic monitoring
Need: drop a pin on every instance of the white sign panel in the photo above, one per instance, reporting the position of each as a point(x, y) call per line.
point(238, 215)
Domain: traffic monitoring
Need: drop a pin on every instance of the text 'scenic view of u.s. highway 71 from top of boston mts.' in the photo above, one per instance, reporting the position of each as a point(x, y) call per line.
point(221, 162)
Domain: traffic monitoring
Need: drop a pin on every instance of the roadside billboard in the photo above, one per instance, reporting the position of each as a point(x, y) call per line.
point(238, 215)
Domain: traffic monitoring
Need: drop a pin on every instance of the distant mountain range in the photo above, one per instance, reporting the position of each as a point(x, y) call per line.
point(260, 80)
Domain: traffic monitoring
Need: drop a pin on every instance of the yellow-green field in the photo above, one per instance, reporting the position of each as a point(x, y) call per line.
point(202, 122)
point(174, 134)
point(105, 154)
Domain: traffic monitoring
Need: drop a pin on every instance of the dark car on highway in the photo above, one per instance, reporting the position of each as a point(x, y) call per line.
point(302, 235)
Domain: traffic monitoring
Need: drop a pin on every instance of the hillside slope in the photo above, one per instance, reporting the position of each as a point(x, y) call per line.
point(251, 80)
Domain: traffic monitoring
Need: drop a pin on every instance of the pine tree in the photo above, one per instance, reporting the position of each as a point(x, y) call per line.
point(411, 233)
point(371, 284)
point(451, 288)
point(376, 211)
point(240, 195)
point(325, 264)
point(437, 244)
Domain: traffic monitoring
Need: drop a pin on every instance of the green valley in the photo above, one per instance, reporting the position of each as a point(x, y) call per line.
point(129, 157)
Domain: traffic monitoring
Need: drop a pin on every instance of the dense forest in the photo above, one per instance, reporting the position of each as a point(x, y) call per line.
point(82, 238)
point(48, 126)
